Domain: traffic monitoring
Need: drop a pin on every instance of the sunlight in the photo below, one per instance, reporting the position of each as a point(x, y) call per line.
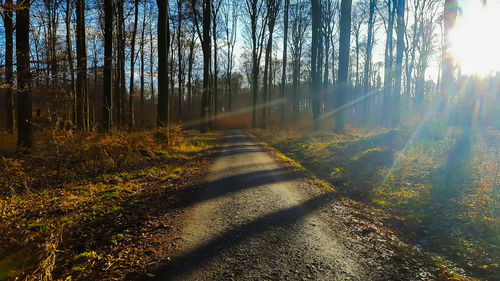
point(475, 43)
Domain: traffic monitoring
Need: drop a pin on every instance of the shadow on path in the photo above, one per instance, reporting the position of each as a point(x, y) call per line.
point(211, 249)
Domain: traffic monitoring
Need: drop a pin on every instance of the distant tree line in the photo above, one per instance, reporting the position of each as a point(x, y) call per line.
point(136, 63)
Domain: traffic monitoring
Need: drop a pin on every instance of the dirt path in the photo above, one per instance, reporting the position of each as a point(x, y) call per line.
point(252, 222)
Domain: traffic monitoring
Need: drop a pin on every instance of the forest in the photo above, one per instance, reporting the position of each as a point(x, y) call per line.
point(116, 116)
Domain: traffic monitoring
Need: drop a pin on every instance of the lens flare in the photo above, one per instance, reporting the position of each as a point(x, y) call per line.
point(475, 43)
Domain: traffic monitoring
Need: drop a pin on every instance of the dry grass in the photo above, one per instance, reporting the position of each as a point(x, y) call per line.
point(72, 179)
point(418, 176)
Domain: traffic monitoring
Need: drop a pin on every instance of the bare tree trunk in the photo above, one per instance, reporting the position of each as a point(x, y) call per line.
point(151, 60)
point(215, 91)
point(131, 121)
point(142, 62)
point(69, 51)
point(255, 10)
point(81, 75)
point(107, 102)
point(388, 75)
point(24, 133)
point(163, 48)
point(206, 48)
point(265, 90)
point(283, 69)
point(179, 57)
point(272, 14)
point(369, 46)
point(9, 77)
point(190, 70)
point(315, 62)
point(399, 60)
point(121, 61)
point(343, 70)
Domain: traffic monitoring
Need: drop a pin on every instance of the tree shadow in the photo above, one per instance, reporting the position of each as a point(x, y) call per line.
point(224, 241)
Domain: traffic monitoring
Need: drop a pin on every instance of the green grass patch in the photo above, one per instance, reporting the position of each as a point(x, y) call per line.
point(39, 226)
point(85, 256)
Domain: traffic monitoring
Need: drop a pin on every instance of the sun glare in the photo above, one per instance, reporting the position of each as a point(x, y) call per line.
point(475, 40)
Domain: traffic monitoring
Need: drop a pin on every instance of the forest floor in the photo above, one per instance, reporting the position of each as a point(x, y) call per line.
point(435, 185)
point(95, 207)
point(261, 217)
point(129, 207)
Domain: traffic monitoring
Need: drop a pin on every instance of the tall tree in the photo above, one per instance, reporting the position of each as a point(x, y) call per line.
point(299, 22)
point(206, 47)
point(344, 47)
point(163, 48)
point(369, 46)
point(69, 54)
point(180, 50)
point(131, 121)
point(257, 27)
point(368, 61)
point(272, 13)
point(315, 62)
point(216, 4)
point(388, 74)
point(142, 45)
point(81, 67)
point(192, 44)
point(9, 77)
point(24, 110)
point(230, 13)
point(400, 10)
point(120, 25)
point(107, 101)
point(283, 68)
point(151, 55)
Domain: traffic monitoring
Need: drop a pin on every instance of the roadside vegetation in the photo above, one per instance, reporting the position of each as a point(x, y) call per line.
point(439, 181)
point(92, 206)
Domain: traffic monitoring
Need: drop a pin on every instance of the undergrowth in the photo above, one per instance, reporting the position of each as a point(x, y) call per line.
point(444, 182)
point(70, 181)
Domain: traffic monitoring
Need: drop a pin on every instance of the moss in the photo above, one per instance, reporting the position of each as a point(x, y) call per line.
point(39, 226)
point(117, 238)
point(85, 256)
point(110, 196)
point(116, 210)
point(78, 268)
point(381, 203)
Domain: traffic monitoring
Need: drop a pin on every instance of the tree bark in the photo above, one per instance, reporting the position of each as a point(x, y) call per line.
point(24, 133)
point(388, 75)
point(131, 121)
point(315, 76)
point(9, 77)
point(369, 46)
point(121, 62)
point(81, 75)
point(142, 61)
point(179, 57)
point(400, 10)
point(163, 48)
point(107, 102)
point(206, 48)
point(343, 69)
point(283, 68)
point(190, 70)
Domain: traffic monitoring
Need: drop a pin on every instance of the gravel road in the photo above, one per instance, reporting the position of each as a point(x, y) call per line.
point(252, 221)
